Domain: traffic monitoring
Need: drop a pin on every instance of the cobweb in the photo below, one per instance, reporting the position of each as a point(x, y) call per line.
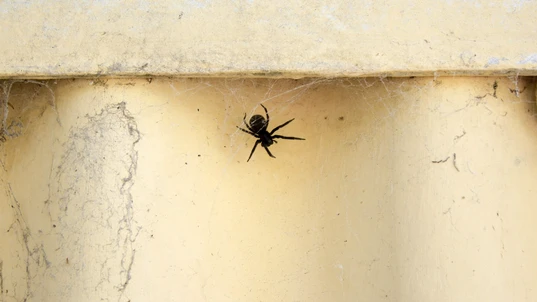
point(334, 189)
point(345, 175)
point(281, 96)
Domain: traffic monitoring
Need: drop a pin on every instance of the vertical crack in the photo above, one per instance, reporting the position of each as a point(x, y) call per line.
point(35, 254)
point(127, 183)
point(1, 277)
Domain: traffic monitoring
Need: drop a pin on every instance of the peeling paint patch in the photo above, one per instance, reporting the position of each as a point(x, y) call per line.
point(529, 59)
point(493, 61)
point(197, 4)
point(515, 5)
point(328, 13)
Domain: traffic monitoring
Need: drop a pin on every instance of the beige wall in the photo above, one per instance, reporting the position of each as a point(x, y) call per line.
point(139, 190)
point(410, 189)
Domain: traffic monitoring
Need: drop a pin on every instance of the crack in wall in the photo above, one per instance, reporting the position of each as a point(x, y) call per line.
point(30, 256)
point(1, 277)
point(128, 182)
point(35, 259)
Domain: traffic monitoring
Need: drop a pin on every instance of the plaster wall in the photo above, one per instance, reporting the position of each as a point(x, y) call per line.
point(139, 190)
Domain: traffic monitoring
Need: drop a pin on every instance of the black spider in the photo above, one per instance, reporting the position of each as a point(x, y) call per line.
point(258, 128)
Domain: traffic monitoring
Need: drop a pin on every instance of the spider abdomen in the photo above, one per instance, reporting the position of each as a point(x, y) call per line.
point(258, 123)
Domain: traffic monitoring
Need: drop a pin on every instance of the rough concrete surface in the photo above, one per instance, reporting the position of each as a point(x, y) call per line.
point(267, 38)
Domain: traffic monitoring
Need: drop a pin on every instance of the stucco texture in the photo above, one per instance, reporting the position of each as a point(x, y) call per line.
point(139, 190)
point(61, 39)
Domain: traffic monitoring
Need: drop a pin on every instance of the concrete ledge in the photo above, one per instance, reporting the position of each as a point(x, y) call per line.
point(271, 39)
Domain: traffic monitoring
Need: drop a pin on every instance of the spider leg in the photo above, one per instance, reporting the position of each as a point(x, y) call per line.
point(266, 112)
point(253, 149)
point(287, 137)
point(270, 154)
point(281, 126)
point(251, 133)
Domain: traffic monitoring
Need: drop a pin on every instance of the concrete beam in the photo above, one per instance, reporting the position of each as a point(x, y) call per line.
point(42, 39)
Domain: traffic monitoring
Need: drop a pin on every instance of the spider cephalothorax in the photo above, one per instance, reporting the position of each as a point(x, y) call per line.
point(258, 128)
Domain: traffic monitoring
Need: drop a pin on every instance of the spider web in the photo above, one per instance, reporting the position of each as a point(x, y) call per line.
point(341, 187)
point(139, 169)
